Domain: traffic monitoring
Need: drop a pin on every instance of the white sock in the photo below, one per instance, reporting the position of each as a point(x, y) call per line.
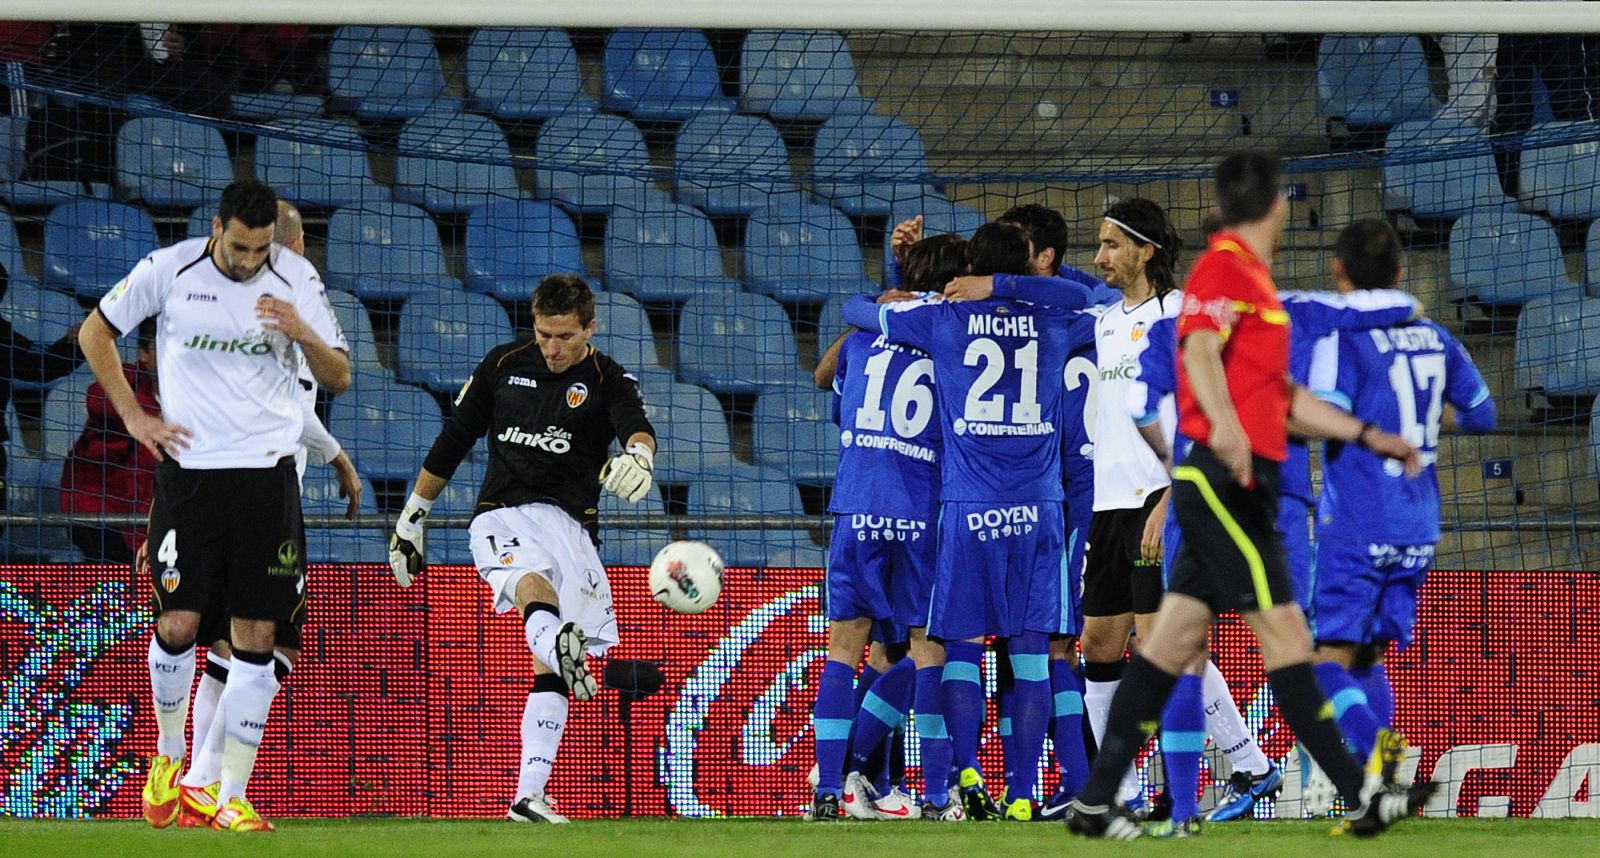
point(206, 698)
point(206, 766)
point(540, 631)
point(1227, 727)
point(171, 679)
point(245, 704)
point(1097, 703)
point(544, 718)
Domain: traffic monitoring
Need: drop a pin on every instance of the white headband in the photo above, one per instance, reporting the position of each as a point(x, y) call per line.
point(1133, 232)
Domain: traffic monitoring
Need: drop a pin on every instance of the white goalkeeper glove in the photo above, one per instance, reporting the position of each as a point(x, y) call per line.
point(628, 474)
point(407, 548)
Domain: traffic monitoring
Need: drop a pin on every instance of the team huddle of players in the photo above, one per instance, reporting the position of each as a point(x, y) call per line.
point(1009, 431)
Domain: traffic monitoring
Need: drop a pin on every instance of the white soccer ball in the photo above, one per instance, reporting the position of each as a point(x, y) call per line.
point(686, 577)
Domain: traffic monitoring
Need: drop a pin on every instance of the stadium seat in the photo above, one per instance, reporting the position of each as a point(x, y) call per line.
point(382, 73)
point(1535, 335)
point(199, 223)
point(1561, 177)
point(168, 162)
point(624, 332)
point(442, 338)
point(622, 541)
point(33, 485)
point(736, 342)
point(730, 165)
point(1503, 257)
point(513, 244)
point(830, 320)
point(664, 255)
point(798, 76)
point(803, 251)
point(1373, 80)
point(42, 315)
point(662, 75)
point(868, 164)
point(11, 258)
point(386, 428)
point(358, 333)
point(385, 251)
point(1558, 347)
point(319, 496)
point(1594, 438)
point(89, 245)
point(317, 163)
point(267, 106)
point(588, 163)
point(14, 158)
point(65, 413)
point(939, 216)
point(459, 498)
point(746, 491)
point(1439, 169)
point(450, 163)
point(691, 431)
point(523, 74)
point(795, 433)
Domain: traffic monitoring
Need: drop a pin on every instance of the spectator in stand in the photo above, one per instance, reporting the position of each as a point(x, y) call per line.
point(263, 57)
point(1561, 62)
point(107, 471)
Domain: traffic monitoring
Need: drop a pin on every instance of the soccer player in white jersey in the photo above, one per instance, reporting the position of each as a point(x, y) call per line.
point(550, 409)
point(236, 311)
point(200, 784)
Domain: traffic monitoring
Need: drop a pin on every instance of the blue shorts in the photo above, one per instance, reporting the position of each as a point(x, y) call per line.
point(881, 568)
point(1366, 592)
point(1294, 523)
point(1079, 512)
point(1001, 571)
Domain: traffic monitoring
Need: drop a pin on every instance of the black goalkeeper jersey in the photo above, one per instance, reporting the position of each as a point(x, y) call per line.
point(549, 433)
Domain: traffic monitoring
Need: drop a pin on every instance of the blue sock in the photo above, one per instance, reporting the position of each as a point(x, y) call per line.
point(831, 718)
point(1183, 738)
point(935, 741)
point(1030, 712)
point(1374, 680)
point(869, 677)
point(1067, 728)
point(1357, 721)
point(962, 689)
point(883, 709)
point(1005, 689)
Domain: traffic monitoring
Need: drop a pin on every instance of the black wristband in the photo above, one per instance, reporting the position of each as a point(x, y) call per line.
point(1361, 437)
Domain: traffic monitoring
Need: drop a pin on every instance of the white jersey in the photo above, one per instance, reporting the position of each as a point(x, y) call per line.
point(223, 376)
point(317, 444)
point(1125, 469)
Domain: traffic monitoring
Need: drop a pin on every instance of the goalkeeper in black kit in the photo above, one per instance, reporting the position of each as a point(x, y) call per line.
point(550, 408)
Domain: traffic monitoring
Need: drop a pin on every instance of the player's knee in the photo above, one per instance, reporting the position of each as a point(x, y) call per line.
point(925, 652)
point(253, 635)
point(533, 588)
point(1344, 653)
point(178, 629)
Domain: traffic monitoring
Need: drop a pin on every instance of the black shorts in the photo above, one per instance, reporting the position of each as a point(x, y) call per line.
point(1232, 556)
point(230, 538)
point(1116, 580)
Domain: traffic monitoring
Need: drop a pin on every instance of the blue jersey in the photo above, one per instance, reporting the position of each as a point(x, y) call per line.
point(1158, 374)
point(1398, 378)
point(1000, 366)
point(888, 437)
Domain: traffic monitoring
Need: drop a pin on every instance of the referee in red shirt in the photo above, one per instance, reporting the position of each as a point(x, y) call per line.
point(1236, 400)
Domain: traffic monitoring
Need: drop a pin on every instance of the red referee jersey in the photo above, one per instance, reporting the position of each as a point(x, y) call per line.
point(1232, 293)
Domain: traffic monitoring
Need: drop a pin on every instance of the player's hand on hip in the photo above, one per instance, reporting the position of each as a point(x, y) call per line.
point(969, 288)
point(629, 474)
point(407, 545)
point(1392, 446)
point(279, 315)
point(158, 436)
point(1232, 447)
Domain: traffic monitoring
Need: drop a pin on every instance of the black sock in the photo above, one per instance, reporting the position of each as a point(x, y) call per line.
point(1310, 716)
point(1135, 714)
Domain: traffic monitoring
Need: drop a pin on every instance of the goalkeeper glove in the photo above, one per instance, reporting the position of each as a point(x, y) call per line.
point(628, 474)
point(407, 549)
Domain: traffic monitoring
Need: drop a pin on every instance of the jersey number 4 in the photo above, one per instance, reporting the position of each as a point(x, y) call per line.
point(1413, 378)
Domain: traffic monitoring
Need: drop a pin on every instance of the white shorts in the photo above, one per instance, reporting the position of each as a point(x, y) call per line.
point(540, 539)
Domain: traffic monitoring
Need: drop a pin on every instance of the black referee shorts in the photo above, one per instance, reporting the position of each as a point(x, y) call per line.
point(1116, 580)
point(231, 538)
point(1232, 556)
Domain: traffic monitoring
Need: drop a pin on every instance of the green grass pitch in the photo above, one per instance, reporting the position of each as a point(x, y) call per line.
point(349, 838)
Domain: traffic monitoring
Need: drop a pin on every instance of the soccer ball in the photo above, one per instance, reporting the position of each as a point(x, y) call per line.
point(686, 577)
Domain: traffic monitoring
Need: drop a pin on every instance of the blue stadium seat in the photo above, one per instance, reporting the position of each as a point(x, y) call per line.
point(624, 332)
point(89, 245)
point(460, 496)
point(744, 490)
point(385, 251)
point(1567, 345)
point(40, 314)
point(358, 333)
point(662, 75)
point(319, 496)
point(663, 254)
point(513, 244)
point(730, 165)
point(21, 192)
point(939, 216)
point(442, 338)
point(622, 541)
point(317, 163)
point(736, 342)
point(199, 223)
point(1373, 80)
point(1534, 340)
point(524, 74)
point(868, 164)
point(803, 251)
point(830, 320)
point(691, 431)
point(798, 76)
point(795, 433)
point(449, 163)
point(386, 73)
point(33, 485)
point(267, 106)
point(171, 162)
point(588, 163)
point(1439, 169)
point(1503, 257)
point(386, 428)
point(1561, 177)
point(11, 258)
point(66, 411)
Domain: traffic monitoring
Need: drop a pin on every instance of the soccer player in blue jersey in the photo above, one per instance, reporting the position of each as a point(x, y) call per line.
point(1376, 530)
point(881, 561)
point(1000, 366)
